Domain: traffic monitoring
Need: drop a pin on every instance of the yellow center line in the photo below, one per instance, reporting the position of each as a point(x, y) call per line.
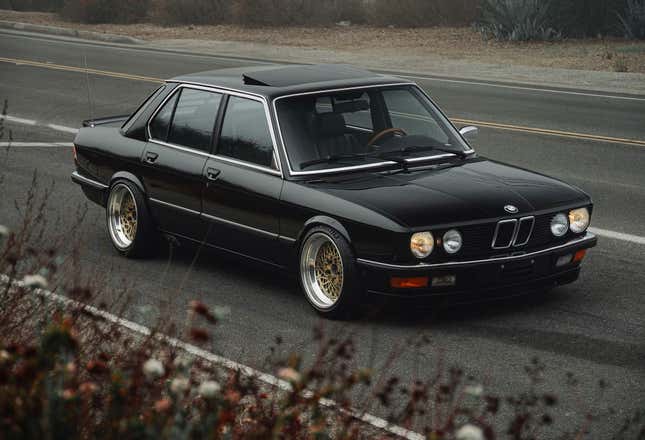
point(80, 70)
point(548, 132)
point(495, 125)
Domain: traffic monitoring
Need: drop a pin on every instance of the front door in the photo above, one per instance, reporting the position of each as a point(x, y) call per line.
point(243, 184)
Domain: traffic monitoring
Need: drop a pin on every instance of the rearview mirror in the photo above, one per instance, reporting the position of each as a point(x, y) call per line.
point(469, 132)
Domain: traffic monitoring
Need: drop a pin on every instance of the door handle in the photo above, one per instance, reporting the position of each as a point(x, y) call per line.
point(151, 157)
point(212, 173)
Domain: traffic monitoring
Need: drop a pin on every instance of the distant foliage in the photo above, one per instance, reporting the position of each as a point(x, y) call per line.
point(105, 11)
point(422, 13)
point(171, 12)
point(296, 12)
point(32, 5)
point(517, 20)
point(633, 19)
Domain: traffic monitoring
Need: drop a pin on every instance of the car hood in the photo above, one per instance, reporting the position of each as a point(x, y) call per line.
point(477, 189)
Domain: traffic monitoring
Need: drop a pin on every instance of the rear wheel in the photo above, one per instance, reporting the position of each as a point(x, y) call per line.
point(327, 273)
point(128, 220)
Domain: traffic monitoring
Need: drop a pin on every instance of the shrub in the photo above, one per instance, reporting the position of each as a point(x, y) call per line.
point(587, 18)
point(517, 20)
point(422, 13)
point(170, 12)
point(633, 19)
point(105, 11)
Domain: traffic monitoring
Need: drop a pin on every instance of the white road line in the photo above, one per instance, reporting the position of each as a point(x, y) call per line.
point(33, 122)
point(63, 128)
point(533, 89)
point(219, 360)
point(618, 235)
point(18, 120)
point(36, 144)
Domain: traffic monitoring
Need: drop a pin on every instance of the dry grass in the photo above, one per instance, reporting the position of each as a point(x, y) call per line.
point(453, 43)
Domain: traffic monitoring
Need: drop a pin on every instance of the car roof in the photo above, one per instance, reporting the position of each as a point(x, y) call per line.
point(276, 80)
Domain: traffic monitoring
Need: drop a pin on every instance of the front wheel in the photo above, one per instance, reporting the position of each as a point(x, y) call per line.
point(128, 220)
point(328, 274)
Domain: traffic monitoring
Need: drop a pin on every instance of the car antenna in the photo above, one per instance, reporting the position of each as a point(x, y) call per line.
point(89, 92)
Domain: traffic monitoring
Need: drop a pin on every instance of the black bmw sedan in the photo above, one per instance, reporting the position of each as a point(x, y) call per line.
point(354, 180)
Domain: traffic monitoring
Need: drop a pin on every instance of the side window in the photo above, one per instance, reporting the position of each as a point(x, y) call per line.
point(194, 119)
point(161, 122)
point(408, 113)
point(245, 133)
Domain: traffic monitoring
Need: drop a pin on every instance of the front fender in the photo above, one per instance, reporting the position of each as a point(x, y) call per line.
point(325, 221)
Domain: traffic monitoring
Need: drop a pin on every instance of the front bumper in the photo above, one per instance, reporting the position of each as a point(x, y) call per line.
point(508, 274)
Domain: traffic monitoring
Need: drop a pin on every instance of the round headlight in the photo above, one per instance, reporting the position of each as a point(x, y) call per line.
point(452, 241)
point(578, 220)
point(559, 225)
point(422, 244)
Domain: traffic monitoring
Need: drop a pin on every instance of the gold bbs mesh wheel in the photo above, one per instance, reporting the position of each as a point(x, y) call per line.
point(321, 269)
point(122, 216)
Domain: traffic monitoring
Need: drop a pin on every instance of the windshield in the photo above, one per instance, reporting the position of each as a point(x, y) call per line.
point(334, 130)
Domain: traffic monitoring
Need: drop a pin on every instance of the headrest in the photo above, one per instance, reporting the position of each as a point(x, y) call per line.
point(329, 125)
point(351, 106)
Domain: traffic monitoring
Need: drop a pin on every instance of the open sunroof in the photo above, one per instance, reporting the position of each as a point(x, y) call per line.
point(299, 74)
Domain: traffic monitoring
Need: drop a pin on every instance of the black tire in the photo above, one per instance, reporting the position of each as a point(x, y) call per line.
point(141, 239)
point(348, 302)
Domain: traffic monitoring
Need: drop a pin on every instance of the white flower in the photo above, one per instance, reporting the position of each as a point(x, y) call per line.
point(153, 369)
point(469, 432)
point(4, 231)
point(289, 374)
point(35, 281)
point(209, 389)
point(179, 385)
point(182, 362)
point(474, 390)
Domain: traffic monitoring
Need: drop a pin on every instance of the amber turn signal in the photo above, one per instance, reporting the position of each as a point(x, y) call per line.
point(406, 283)
point(579, 255)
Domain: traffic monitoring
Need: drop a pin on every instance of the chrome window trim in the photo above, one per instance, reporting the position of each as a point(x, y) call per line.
point(179, 147)
point(79, 178)
point(589, 237)
point(367, 166)
point(222, 91)
point(510, 242)
point(519, 226)
point(220, 157)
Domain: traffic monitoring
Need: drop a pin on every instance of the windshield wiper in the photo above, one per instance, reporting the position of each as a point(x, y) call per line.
point(334, 158)
point(382, 155)
point(419, 148)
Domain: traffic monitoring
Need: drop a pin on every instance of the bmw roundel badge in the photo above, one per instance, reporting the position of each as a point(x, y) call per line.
point(511, 209)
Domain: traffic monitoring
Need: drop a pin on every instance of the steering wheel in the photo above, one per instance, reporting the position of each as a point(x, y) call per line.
point(385, 132)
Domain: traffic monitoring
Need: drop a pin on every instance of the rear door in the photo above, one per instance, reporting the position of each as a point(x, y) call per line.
point(180, 141)
point(243, 182)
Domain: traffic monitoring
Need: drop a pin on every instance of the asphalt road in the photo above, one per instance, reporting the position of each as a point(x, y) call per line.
point(594, 328)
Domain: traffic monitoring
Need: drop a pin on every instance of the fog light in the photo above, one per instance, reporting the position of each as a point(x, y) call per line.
point(564, 260)
point(579, 255)
point(407, 283)
point(444, 280)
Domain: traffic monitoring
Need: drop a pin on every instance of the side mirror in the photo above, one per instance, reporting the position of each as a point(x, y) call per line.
point(469, 132)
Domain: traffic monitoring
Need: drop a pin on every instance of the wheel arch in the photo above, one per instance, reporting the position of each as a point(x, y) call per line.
point(126, 175)
point(323, 220)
